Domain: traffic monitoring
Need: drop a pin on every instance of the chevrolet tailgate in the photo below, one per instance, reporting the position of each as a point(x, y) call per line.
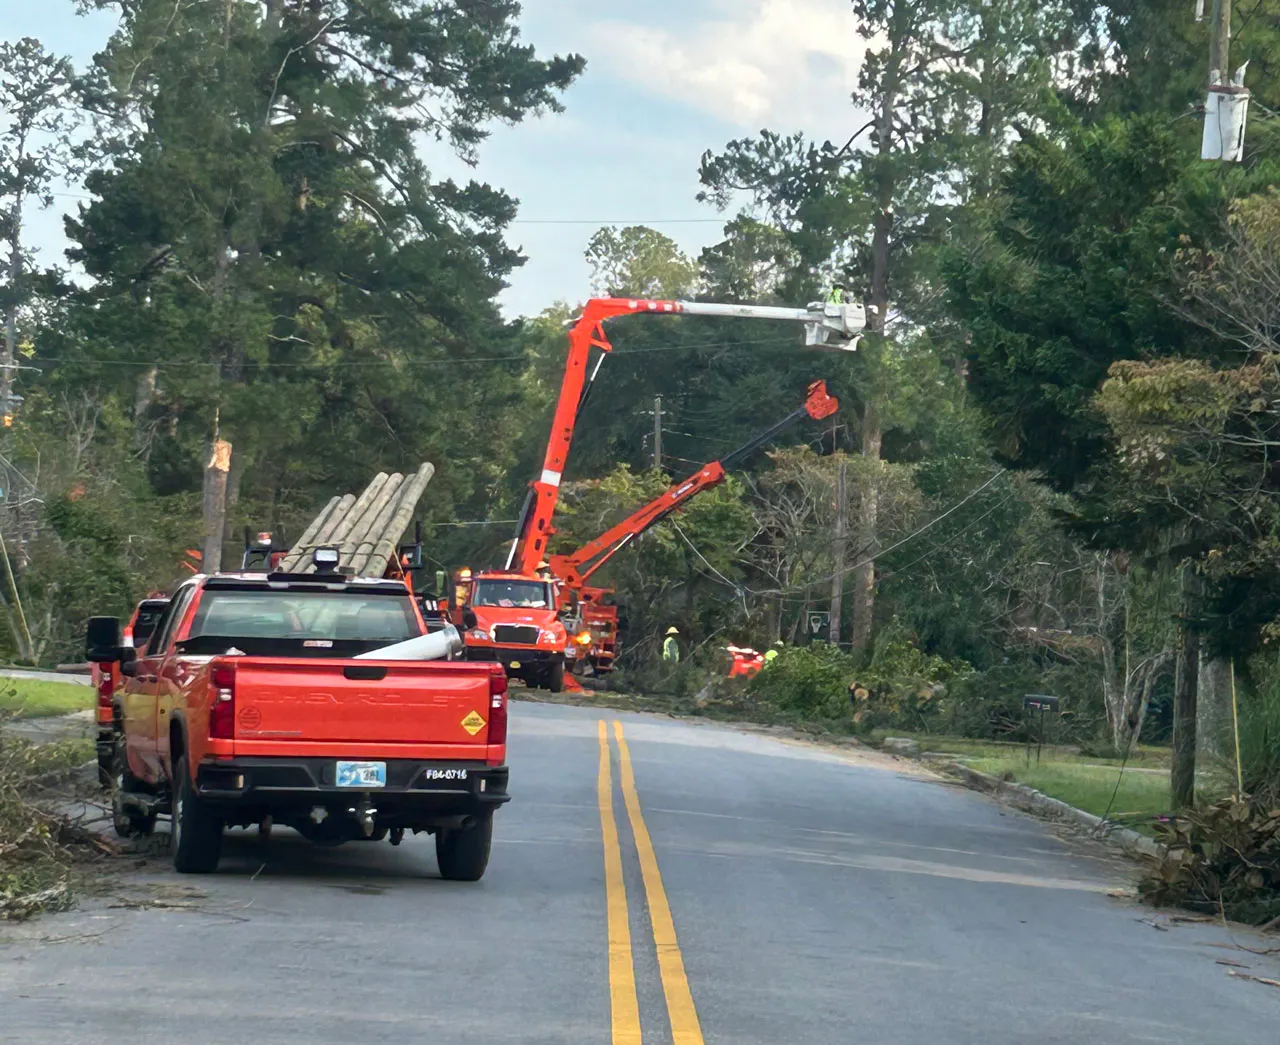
point(430, 708)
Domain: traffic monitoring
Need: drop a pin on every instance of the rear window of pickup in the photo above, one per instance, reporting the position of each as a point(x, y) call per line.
point(300, 622)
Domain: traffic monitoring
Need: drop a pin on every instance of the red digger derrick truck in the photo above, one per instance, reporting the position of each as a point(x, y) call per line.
point(594, 636)
point(513, 615)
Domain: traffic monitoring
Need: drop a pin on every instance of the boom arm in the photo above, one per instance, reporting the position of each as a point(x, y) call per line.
point(574, 569)
point(835, 326)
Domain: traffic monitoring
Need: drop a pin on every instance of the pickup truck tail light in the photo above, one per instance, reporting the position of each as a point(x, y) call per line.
point(222, 702)
point(497, 706)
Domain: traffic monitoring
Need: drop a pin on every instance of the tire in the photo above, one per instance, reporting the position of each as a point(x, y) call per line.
point(128, 821)
point(555, 677)
point(463, 854)
point(196, 839)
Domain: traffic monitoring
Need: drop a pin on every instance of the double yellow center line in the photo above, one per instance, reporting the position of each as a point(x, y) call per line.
point(685, 1029)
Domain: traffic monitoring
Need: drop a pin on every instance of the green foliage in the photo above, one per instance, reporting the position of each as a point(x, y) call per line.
point(1070, 280)
point(265, 236)
point(810, 682)
point(34, 855)
point(640, 262)
point(902, 685)
point(1259, 725)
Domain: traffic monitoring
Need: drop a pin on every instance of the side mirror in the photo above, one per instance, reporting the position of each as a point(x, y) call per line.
point(442, 581)
point(102, 640)
point(469, 619)
point(623, 623)
point(128, 661)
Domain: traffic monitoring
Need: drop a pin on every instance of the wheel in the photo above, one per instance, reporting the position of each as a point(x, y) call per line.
point(196, 839)
point(128, 821)
point(463, 854)
point(555, 677)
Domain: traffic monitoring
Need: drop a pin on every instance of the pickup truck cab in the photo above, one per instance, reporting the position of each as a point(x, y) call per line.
point(251, 703)
point(511, 619)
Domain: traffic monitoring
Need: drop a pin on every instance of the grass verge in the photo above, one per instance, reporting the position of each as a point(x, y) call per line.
point(1141, 795)
point(35, 698)
point(1143, 756)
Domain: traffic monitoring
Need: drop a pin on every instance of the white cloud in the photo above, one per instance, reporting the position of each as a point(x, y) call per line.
point(785, 64)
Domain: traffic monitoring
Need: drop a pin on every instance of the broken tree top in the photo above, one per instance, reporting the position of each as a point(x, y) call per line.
point(367, 529)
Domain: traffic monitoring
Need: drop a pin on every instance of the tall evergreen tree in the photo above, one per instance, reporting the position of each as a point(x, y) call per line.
point(267, 237)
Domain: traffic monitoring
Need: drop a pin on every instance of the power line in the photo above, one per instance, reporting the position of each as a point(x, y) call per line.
point(371, 363)
point(528, 221)
point(475, 522)
point(617, 221)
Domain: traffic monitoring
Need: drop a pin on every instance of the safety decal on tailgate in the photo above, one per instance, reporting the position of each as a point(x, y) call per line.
point(473, 723)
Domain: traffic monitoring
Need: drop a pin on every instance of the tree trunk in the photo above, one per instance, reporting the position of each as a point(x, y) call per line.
point(886, 182)
point(839, 544)
point(1182, 776)
point(144, 394)
point(15, 279)
point(864, 577)
point(215, 504)
point(1213, 710)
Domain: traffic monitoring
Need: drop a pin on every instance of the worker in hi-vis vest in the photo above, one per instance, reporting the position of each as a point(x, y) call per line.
point(771, 654)
point(836, 296)
point(671, 646)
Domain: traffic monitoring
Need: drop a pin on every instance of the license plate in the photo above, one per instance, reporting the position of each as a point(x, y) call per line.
point(361, 774)
point(514, 665)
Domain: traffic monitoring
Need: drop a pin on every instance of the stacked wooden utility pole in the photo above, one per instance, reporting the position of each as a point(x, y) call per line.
point(367, 529)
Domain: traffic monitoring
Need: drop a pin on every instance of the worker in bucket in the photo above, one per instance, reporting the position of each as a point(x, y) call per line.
point(671, 646)
point(771, 654)
point(836, 295)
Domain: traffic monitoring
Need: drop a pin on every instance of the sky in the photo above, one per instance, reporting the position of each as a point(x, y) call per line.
point(665, 81)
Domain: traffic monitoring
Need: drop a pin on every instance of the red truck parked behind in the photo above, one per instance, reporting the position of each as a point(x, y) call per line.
point(106, 679)
point(252, 703)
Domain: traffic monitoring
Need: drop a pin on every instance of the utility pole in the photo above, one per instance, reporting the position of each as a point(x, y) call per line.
point(839, 545)
point(1226, 106)
point(1182, 772)
point(657, 433)
point(1219, 41)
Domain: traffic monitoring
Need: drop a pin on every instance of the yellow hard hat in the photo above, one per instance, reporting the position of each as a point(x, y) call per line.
point(673, 630)
point(544, 565)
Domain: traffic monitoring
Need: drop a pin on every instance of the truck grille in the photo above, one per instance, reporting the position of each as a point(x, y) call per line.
point(515, 634)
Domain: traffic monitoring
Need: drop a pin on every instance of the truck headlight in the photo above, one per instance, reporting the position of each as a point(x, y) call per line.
point(477, 635)
point(550, 636)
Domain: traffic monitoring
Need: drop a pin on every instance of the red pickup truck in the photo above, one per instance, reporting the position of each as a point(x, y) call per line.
point(251, 704)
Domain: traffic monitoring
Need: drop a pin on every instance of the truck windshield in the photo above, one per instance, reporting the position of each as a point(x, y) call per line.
point(300, 622)
point(509, 592)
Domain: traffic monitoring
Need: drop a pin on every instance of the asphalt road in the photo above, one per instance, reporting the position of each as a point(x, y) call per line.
point(697, 885)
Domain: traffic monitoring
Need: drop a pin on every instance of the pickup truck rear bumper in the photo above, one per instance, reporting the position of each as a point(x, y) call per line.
point(417, 792)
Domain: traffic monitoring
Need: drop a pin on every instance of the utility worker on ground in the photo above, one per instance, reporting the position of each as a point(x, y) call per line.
point(671, 646)
point(836, 296)
point(771, 654)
